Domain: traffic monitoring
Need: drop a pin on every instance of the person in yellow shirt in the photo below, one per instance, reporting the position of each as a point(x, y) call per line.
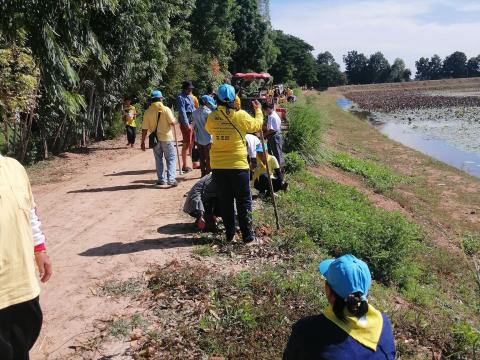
point(196, 103)
point(22, 244)
point(159, 118)
point(228, 160)
point(260, 177)
point(237, 102)
point(129, 114)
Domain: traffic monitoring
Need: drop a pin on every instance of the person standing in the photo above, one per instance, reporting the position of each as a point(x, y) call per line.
point(228, 159)
point(203, 139)
point(159, 118)
point(273, 133)
point(186, 106)
point(350, 327)
point(252, 142)
point(129, 114)
point(22, 244)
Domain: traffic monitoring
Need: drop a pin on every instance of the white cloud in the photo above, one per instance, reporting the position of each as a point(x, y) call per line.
point(395, 28)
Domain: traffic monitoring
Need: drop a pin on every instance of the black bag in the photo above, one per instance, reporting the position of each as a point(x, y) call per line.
point(152, 138)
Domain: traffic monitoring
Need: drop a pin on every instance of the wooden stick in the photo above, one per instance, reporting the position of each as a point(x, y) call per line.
point(270, 182)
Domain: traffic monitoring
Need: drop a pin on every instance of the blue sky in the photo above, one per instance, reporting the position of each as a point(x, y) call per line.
point(407, 29)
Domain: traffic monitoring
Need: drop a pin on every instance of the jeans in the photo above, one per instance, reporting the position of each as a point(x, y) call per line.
point(275, 148)
point(234, 188)
point(19, 329)
point(167, 150)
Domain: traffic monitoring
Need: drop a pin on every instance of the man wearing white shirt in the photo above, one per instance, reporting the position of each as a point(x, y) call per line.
point(273, 133)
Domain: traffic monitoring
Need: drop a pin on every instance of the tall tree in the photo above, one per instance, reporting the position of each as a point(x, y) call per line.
point(328, 71)
point(398, 72)
point(435, 66)
point(473, 67)
point(455, 65)
point(378, 68)
point(423, 69)
point(356, 67)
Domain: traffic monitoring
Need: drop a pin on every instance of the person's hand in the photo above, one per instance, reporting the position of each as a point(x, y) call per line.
point(143, 146)
point(256, 105)
point(44, 266)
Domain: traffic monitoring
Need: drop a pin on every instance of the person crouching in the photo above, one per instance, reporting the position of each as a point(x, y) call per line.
point(260, 177)
point(201, 203)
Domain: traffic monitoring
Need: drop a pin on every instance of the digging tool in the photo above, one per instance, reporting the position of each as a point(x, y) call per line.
point(272, 194)
point(176, 146)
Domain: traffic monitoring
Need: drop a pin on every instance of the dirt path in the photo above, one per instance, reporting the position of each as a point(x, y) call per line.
point(107, 219)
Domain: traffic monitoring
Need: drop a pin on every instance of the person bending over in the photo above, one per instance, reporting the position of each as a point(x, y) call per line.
point(201, 203)
point(260, 177)
point(350, 327)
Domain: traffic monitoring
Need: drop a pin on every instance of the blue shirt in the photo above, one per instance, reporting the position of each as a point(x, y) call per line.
point(185, 105)
point(202, 137)
point(317, 338)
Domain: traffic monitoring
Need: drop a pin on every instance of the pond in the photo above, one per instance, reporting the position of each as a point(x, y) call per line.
point(450, 135)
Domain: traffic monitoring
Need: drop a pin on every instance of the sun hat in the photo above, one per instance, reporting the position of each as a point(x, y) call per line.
point(260, 149)
point(156, 94)
point(347, 275)
point(187, 85)
point(226, 93)
point(207, 99)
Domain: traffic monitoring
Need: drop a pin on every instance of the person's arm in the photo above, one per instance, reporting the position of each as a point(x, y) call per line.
point(249, 123)
point(182, 114)
point(41, 258)
point(292, 350)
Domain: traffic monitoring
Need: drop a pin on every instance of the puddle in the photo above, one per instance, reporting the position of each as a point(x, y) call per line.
point(449, 135)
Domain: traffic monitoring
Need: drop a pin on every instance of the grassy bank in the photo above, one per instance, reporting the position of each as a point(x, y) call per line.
point(196, 310)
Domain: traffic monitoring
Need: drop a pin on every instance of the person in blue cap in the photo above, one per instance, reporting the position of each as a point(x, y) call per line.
point(159, 118)
point(350, 327)
point(203, 139)
point(228, 160)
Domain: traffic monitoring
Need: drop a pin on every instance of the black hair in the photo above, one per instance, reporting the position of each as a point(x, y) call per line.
point(237, 89)
point(228, 105)
point(267, 105)
point(354, 304)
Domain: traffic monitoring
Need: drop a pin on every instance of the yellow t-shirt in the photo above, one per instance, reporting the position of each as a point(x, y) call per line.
point(228, 149)
point(165, 122)
point(129, 115)
point(262, 168)
point(196, 104)
point(237, 103)
point(18, 280)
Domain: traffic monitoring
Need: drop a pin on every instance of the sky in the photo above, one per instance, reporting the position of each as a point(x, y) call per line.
point(406, 29)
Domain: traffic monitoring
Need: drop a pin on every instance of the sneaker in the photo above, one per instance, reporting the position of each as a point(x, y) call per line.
point(186, 169)
point(173, 183)
point(160, 182)
point(254, 242)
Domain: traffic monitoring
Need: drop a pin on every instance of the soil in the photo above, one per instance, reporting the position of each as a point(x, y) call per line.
point(103, 217)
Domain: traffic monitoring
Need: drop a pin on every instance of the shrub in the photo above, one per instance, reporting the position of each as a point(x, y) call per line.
point(470, 244)
point(294, 162)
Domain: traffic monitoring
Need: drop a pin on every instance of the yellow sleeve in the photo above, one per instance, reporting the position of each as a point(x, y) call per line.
point(147, 121)
point(238, 103)
point(248, 123)
point(170, 117)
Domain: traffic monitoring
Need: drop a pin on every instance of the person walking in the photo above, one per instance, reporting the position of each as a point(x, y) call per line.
point(22, 244)
point(260, 176)
point(203, 139)
point(159, 118)
point(228, 160)
point(129, 114)
point(273, 133)
point(350, 327)
point(186, 106)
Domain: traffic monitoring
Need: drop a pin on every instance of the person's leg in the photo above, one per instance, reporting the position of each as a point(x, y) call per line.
point(25, 322)
point(134, 135)
point(6, 347)
point(171, 158)
point(158, 153)
point(208, 169)
point(226, 200)
point(261, 184)
point(201, 153)
point(277, 185)
point(240, 183)
point(275, 148)
point(187, 139)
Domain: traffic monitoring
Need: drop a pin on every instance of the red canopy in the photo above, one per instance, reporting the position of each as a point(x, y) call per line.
point(253, 75)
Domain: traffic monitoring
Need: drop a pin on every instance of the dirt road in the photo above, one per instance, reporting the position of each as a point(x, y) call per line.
point(107, 219)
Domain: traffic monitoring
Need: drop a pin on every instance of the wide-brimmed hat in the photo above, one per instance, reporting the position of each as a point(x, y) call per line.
point(187, 85)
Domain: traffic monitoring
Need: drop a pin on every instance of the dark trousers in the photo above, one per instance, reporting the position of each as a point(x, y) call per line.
point(204, 152)
point(20, 326)
point(234, 188)
point(275, 148)
point(262, 185)
point(131, 134)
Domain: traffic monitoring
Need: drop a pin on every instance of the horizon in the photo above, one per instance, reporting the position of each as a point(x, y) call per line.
point(408, 30)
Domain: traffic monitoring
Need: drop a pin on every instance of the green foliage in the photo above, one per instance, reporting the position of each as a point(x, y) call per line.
point(342, 220)
point(379, 177)
point(470, 244)
point(304, 132)
point(294, 162)
point(454, 65)
point(466, 342)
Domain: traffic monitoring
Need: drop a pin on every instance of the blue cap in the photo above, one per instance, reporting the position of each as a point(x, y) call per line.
point(260, 149)
point(347, 275)
point(209, 100)
point(226, 93)
point(156, 94)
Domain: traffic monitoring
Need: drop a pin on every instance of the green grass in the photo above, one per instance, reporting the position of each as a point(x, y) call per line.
point(204, 250)
point(377, 176)
point(132, 287)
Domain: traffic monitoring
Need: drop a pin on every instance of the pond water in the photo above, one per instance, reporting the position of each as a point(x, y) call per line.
point(434, 132)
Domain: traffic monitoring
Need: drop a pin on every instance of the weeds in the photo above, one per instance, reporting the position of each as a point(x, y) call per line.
point(294, 162)
point(131, 288)
point(377, 176)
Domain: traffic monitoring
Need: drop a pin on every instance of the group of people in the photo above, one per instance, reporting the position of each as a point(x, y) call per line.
point(349, 327)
